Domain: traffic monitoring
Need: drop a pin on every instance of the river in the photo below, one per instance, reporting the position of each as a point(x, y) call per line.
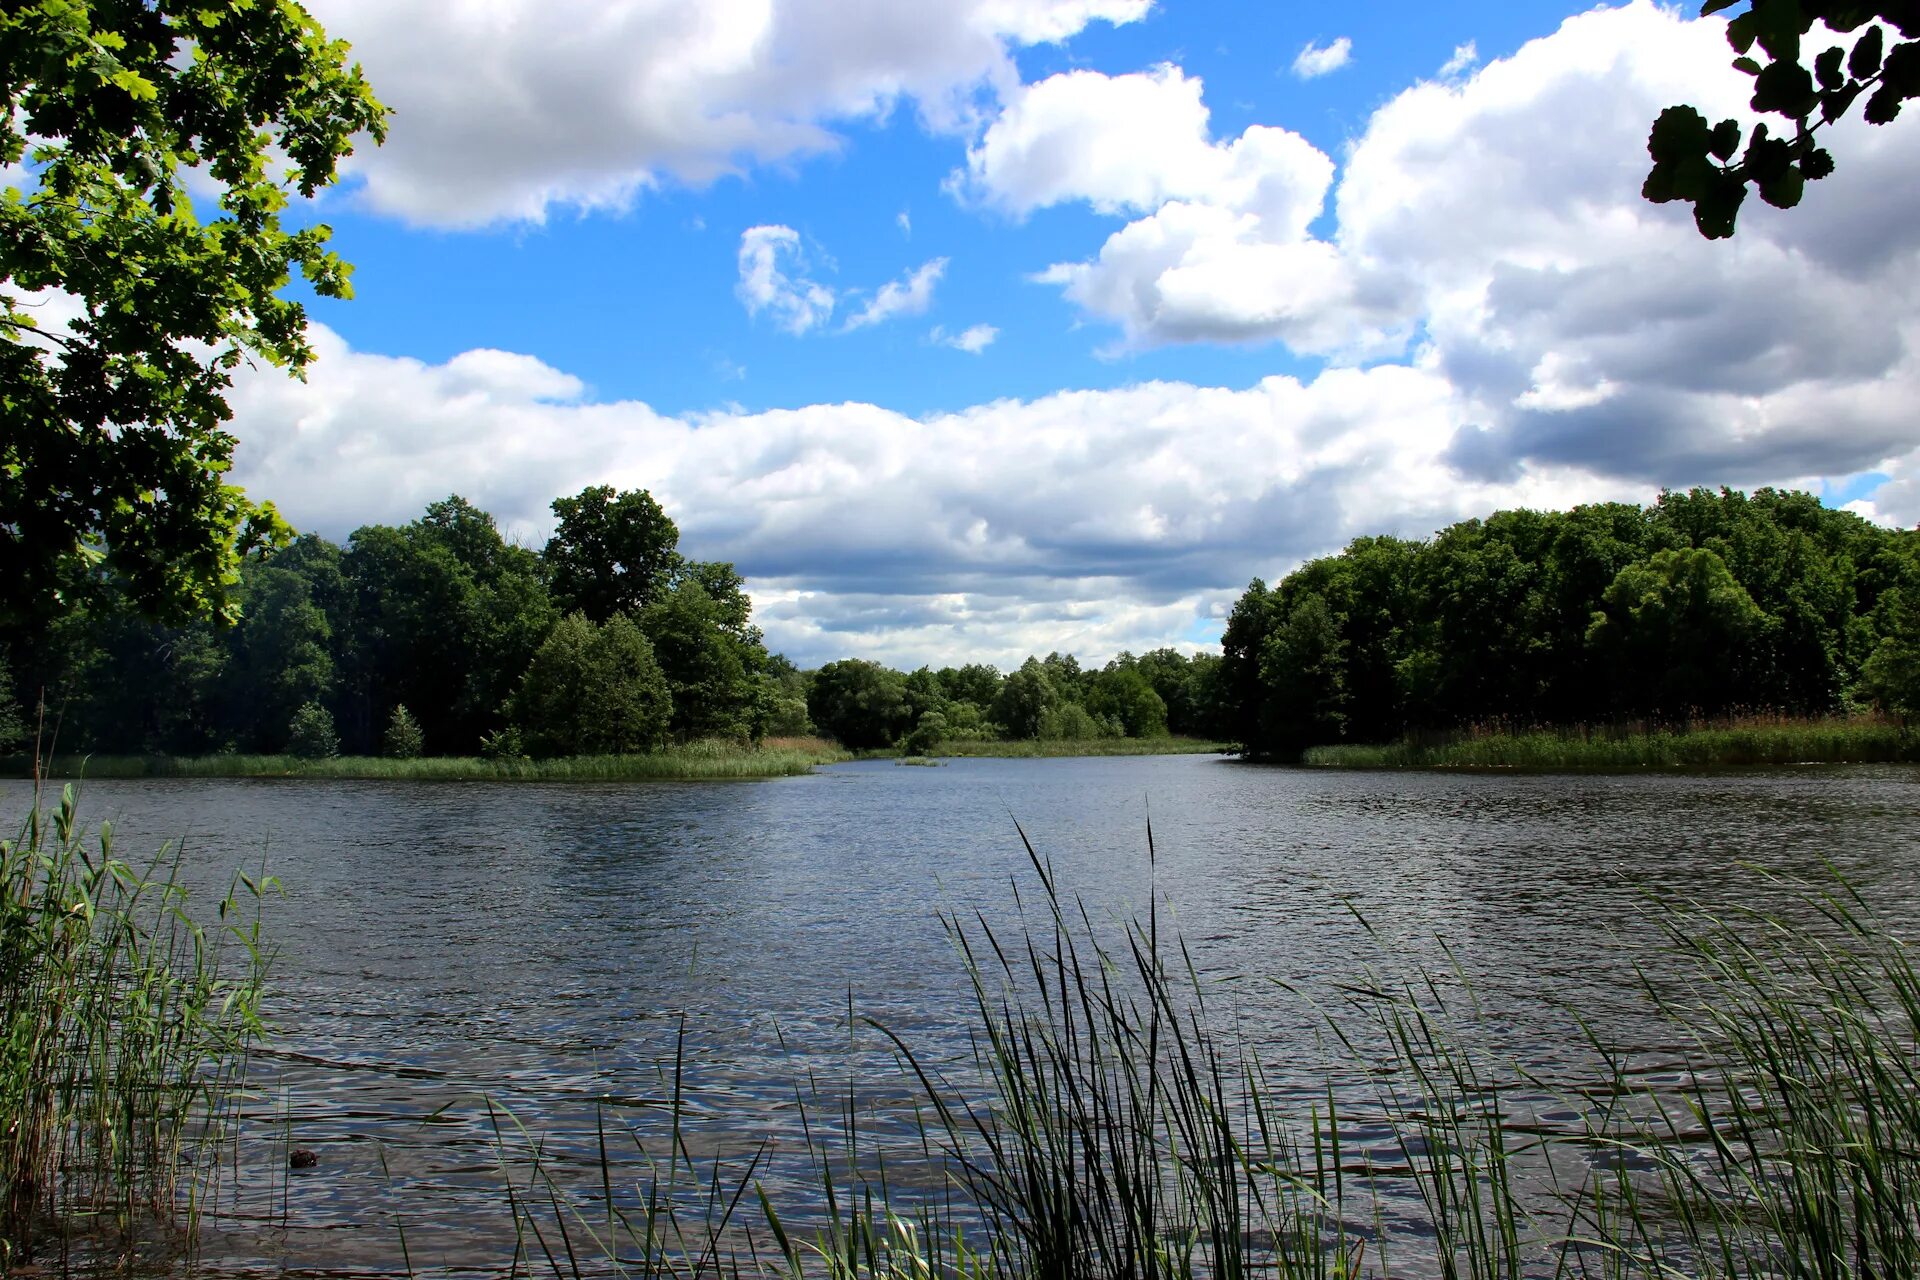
point(550, 947)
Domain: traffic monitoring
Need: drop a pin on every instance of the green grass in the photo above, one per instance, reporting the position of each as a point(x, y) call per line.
point(125, 1025)
point(1753, 743)
point(1038, 749)
point(692, 761)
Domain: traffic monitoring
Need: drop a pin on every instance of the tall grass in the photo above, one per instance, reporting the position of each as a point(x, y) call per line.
point(1745, 742)
point(125, 1024)
point(1110, 1128)
point(1038, 748)
point(707, 759)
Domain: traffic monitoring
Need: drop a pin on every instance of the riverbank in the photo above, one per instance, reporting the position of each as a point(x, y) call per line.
point(1731, 744)
point(1038, 749)
point(694, 761)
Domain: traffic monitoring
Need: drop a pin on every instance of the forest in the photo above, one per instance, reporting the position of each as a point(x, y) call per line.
point(441, 637)
point(1704, 604)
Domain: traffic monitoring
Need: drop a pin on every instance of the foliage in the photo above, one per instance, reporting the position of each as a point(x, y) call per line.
point(927, 735)
point(1123, 694)
point(1695, 162)
point(124, 1030)
point(1024, 699)
point(13, 729)
point(610, 552)
point(113, 448)
point(861, 704)
point(1736, 743)
point(711, 660)
point(1704, 603)
point(593, 690)
point(403, 739)
point(1891, 675)
point(1678, 628)
point(310, 735)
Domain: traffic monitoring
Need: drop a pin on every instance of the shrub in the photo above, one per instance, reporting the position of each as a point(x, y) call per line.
point(403, 739)
point(927, 735)
point(311, 736)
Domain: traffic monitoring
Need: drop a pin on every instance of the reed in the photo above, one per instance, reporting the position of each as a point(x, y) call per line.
point(1037, 748)
point(125, 1026)
point(687, 762)
point(1754, 742)
point(1110, 1127)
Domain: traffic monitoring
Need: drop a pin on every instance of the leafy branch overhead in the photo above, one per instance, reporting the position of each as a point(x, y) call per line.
point(112, 450)
point(1712, 166)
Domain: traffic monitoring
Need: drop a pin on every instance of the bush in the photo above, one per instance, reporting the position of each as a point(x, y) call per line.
point(311, 736)
point(594, 690)
point(502, 744)
point(403, 739)
point(927, 735)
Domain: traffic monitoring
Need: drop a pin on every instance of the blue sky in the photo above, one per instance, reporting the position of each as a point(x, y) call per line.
point(974, 328)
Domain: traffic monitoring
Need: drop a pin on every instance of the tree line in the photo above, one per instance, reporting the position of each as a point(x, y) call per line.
point(443, 637)
point(1703, 604)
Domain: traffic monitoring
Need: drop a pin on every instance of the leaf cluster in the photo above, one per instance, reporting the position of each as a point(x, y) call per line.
point(1712, 166)
point(124, 117)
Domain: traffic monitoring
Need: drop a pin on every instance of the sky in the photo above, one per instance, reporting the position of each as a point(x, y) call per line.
point(969, 329)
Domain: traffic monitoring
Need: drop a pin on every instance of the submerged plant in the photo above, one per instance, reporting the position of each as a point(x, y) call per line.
point(125, 1025)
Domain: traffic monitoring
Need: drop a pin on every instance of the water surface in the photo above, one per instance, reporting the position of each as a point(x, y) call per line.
point(549, 946)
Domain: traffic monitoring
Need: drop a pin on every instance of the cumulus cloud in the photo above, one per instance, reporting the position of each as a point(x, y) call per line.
point(1316, 60)
point(1226, 253)
point(504, 109)
point(910, 295)
point(1568, 342)
point(1087, 521)
point(971, 340)
point(773, 280)
point(1465, 58)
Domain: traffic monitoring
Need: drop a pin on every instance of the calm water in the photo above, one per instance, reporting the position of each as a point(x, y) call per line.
point(549, 946)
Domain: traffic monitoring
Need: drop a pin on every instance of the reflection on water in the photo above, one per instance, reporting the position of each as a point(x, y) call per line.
point(552, 946)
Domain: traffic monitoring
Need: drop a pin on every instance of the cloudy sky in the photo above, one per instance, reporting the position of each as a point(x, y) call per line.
point(974, 328)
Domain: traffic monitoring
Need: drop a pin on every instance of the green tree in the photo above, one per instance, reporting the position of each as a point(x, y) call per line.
point(861, 704)
point(278, 658)
point(1696, 162)
point(13, 728)
point(1303, 667)
point(611, 552)
point(1123, 694)
point(710, 667)
point(111, 436)
point(1680, 630)
point(403, 739)
point(1891, 675)
point(1025, 697)
point(310, 734)
point(593, 690)
point(976, 682)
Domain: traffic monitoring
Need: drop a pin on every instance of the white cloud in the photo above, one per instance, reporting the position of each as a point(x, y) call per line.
point(910, 295)
point(1465, 58)
point(1574, 343)
point(795, 303)
point(1088, 521)
point(971, 340)
point(1316, 60)
point(904, 221)
point(504, 109)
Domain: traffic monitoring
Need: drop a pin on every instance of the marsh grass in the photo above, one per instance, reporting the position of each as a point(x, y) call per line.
point(125, 1025)
point(1109, 1128)
point(708, 759)
point(1037, 748)
point(1745, 742)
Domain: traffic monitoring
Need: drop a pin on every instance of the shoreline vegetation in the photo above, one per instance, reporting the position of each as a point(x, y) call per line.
point(713, 760)
point(1735, 742)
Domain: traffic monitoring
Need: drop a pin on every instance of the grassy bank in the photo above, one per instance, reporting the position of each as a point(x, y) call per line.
point(1037, 749)
point(1751, 743)
point(775, 758)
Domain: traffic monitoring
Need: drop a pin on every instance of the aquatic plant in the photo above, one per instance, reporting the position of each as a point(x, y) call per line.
point(125, 1025)
point(1112, 1127)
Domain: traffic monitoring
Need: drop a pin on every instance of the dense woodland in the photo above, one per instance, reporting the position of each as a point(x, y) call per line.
point(1704, 604)
point(442, 637)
